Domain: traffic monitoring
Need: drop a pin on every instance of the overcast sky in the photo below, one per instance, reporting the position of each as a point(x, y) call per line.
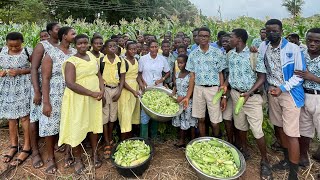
point(230, 9)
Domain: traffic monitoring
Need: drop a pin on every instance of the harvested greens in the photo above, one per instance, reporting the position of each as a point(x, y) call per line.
point(160, 102)
point(214, 158)
point(131, 153)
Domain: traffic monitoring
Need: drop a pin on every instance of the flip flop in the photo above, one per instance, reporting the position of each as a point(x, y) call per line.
point(10, 157)
point(81, 169)
point(20, 161)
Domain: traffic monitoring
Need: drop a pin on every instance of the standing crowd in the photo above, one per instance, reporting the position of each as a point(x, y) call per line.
point(70, 88)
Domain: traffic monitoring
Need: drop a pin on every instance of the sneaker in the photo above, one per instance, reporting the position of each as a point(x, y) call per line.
point(282, 165)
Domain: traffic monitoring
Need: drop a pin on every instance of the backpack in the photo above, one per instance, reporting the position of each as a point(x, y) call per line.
point(102, 64)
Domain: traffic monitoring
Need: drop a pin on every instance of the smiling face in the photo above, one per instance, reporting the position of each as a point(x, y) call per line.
point(82, 45)
point(313, 42)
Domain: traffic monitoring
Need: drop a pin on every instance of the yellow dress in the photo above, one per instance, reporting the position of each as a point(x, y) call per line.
point(80, 114)
point(94, 57)
point(128, 105)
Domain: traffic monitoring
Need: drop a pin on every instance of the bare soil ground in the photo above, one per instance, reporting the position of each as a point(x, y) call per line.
point(168, 163)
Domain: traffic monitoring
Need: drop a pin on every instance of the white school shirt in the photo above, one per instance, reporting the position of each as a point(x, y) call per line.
point(152, 68)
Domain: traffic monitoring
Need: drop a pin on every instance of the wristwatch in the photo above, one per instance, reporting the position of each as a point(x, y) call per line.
point(225, 97)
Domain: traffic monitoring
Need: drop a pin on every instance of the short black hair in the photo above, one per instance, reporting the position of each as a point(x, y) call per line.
point(43, 31)
point(80, 36)
point(226, 35)
point(204, 29)
point(130, 43)
point(96, 37)
point(165, 41)
point(182, 46)
point(221, 33)
point(108, 41)
point(262, 29)
point(113, 36)
point(274, 22)
point(184, 56)
point(50, 26)
point(294, 35)
point(314, 30)
point(195, 30)
point(14, 36)
point(241, 33)
point(152, 41)
point(63, 31)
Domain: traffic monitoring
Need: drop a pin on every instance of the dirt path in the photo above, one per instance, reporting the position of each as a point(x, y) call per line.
point(168, 163)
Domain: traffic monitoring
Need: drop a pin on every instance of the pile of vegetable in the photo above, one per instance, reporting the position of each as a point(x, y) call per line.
point(214, 158)
point(131, 153)
point(160, 102)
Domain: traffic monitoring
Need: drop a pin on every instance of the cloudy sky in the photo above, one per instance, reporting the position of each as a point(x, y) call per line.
point(231, 9)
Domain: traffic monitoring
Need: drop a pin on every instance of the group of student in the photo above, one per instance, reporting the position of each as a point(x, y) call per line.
point(75, 93)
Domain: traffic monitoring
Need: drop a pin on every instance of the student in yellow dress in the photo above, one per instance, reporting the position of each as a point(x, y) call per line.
point(113, 74)
point(81, 110)
point(96, 44)
point(128, 103)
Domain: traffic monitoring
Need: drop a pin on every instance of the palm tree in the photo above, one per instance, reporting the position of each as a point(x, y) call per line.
point(293, 6)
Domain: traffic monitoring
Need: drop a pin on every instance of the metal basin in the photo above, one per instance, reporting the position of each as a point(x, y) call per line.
point(157, 116)
point(202, 175)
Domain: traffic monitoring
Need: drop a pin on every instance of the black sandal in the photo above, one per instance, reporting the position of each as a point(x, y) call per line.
point(51, 169)
point(265, 171)
point(38, 164)
point(20, 161)
point(10, 157)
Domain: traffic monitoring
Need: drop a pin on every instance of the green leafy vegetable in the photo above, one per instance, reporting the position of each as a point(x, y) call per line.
point(214, 158)
point(131, 153)
point(160, 102)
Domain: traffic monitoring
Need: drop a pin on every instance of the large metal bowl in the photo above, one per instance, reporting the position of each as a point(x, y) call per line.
point(202, 175)
point(157, 116)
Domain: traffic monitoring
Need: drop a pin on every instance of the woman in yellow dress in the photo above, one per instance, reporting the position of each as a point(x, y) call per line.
point(96, 45)
point(81, 110)
point(128, 103)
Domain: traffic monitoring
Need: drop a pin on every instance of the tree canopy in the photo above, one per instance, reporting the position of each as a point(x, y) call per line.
point(109, 10)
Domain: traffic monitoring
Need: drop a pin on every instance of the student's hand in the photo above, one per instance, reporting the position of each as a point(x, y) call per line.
point(101, 93)
point(223, 104)
point(142, 87)
point(246, 96)
point(225, 89)
point(95, 95)
point(136, 94)
point(185, 102)
point(158, 81)
point(47, 109)
point(37, 98)
point(14, 72)
point(275, 91)
point(305, 75)
point(116, 97)
point(253, 49)
point(180, 98)
point(3, 73)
